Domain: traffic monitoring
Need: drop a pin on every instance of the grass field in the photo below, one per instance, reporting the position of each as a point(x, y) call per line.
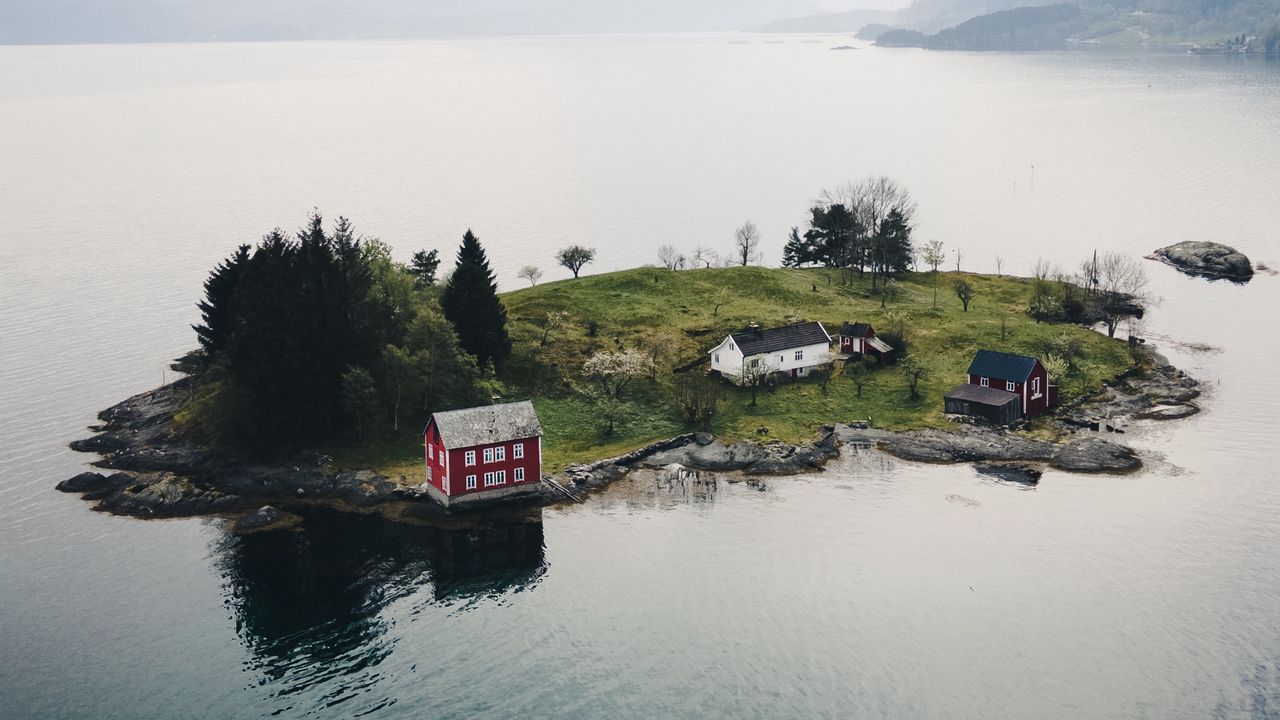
point(627, 308)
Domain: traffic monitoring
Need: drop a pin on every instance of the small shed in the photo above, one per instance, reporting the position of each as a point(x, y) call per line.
point(997, 406)
point(860, 338)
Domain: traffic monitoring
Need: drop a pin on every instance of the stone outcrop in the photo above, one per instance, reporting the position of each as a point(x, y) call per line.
point(1206, 259)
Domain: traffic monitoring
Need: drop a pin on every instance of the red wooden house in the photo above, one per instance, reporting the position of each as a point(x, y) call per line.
point(483, 453)
point(1021, 375)
point(860, 338)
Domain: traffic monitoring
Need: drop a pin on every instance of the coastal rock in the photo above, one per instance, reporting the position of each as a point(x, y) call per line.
point(83, 482)
point(1206, 259)
point(972, 444)
point(1168, 412)
point(1014, 472)
point(1094, 455)
point(265, 518)
point(166, 495)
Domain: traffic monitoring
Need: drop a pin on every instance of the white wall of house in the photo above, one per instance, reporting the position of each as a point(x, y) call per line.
point(727, 358)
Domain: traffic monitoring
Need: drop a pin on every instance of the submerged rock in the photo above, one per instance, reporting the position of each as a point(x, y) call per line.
point(1206, 259)
point(264, 518)
point(1094, 455)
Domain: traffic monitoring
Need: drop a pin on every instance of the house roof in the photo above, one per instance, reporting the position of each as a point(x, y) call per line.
point(756, 342)
point(487, 424)
point(858, 329)
point(984, 395)
point(880, 345)
point(1002, 365)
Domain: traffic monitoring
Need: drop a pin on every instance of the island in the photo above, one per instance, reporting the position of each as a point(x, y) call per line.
point(321, 360)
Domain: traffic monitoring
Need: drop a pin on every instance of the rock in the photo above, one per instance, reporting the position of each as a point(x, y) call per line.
point(259, 518)
point(704, 438)
point(83, 482)
point(969, 443)
point(1017, 473)
point(1093, 455)
point(1168, 412)
point(1206, 259)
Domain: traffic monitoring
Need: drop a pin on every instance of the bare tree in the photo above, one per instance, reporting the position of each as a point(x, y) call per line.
point(719, 298)
point(574, 257)
point(999, 266)
point(1122, 289)
point(959, 257)
point(914, 372)
point(530, 273)
point(755, 373)
point(859, 372)
point(669, 256)
point(553, 321)
point(698, 396)
point(888, 291)
point(934, 256)
point(704, 255)
point(871, 200)
point(746, 244)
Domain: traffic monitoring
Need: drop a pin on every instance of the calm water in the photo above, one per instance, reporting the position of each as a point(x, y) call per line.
point(876, 589)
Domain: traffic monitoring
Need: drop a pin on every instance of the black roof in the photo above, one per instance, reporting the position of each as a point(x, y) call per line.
point(858, 329)
point(756, 342)
point(1002, 365)
point(984, 395)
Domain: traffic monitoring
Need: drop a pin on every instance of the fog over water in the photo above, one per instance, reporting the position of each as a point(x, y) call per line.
point(875, 589)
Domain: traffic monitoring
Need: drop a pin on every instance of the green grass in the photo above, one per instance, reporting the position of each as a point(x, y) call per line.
point(626, 305)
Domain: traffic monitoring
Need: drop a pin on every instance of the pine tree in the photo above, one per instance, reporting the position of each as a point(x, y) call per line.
point(215, 310)
point(796, 252)
point(470, 302)
point(424, 267)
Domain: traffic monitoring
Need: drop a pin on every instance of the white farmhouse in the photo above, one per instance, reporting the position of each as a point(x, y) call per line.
point(795, 349)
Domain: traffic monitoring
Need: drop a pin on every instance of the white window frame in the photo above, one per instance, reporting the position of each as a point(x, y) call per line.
point(431, 451)
point(1009, 385)
point(488, 455)
point(519, 474)
point(1035, 387)
point(799, 355)
point(488, 479)
point(471, 482)
point(470, 458)
point(717, 357)
point(428, 473)
point(517, 451)
point(500, 453)
point(984, 382)
point(501, 477)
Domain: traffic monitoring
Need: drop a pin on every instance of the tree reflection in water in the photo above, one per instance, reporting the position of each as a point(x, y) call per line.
point(308, 602)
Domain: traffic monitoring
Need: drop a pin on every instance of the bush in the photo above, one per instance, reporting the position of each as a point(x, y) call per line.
point(899, 344)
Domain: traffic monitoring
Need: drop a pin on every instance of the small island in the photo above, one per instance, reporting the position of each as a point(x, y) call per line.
point(321, 359)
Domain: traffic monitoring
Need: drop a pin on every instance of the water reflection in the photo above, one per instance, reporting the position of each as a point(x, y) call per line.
point(308, 603)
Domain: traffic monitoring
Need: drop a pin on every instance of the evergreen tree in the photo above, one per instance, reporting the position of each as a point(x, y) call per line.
point(424, 267)
point(215, 310)
point(470, 301)
point(891, 246)
point(796, 252)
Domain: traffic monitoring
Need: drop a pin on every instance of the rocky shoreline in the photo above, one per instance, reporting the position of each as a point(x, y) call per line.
point(157, 473)
point(1206, 259)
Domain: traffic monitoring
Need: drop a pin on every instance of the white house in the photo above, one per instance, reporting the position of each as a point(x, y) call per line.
point(795, 349)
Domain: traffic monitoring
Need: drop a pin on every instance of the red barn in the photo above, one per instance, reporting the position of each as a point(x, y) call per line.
point(860, 338)
point(1021, 375)
point(483, 453)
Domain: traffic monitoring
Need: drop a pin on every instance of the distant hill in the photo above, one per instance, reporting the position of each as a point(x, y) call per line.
point(1025, 28)
point(849, 21)
point(873, 31)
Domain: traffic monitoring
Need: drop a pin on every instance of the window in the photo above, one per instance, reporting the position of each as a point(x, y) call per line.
point(755, 362)
point(501, 477)
point(470, 458)
point(1009, 386)
point(500, 454)
point(519, 476)
point(488, 455)
point(717, 357)
point(799, 354)
point(780, 360)
point(488, 479)
point(471, 482)
point(984, 382)
point(517, 451)
point(431, 451)
point(428, 472)
point(1035, 387)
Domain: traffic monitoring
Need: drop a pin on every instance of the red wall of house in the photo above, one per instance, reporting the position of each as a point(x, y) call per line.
point(1031, 405)
point(458, 470)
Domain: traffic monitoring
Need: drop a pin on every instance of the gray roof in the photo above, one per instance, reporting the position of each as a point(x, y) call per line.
point(487, 424)
point(1002, 365)
point(858, 329)
point(756, 342)
point(984, 395)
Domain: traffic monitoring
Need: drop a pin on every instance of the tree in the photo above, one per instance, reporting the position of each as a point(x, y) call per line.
point(615, 370)
point(964, 291)
point(440, 372)
point(914, 372)
point(397, 377)
point(890, 248)
point(934, 256)
point(670, 257)
point(574, 257)
point(698, 397)
point(720, 298)
point(359, 398)
point(897, 323)
point(424, 266)
point(470, 302)
point(705, 255)
point(755, 374)
point(859, 373)
point(746, 244)
point(530, 273)
point(796, 252)
point(215, 310)
point(824, 368)
point(612, 412)
point(552, 322)
point(1055, 366)
point(999, 266)
point(889, 290)
point(662, 346)
point(1122, 289)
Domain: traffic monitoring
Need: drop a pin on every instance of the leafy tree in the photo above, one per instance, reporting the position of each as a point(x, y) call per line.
point(615, 370)
point(1046, 308)
point(470, 301)
point(964, 291)
point(359, 398)
point(530, 273)
point(859, 373)
point(574, 257)
point(698, 397)
point(215, 310)
point(746, 244)
point(889, 291)
point(613, 413)
point(662, 346)
point(1055, 366)
point(914, 372)
point(394, 293)
point(719, 299)
point(553, 321)
point(441, 373)
point(425, 265)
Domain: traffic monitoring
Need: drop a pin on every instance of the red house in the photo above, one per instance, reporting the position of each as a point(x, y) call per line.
point(483, 453)
point(1021, 375)
point(860, 338)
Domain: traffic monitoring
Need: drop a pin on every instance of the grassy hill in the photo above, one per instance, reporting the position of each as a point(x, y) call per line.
point(632, 307)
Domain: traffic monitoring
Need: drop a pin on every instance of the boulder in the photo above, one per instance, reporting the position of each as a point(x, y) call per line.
point(1206, 259)
point(1093, 455)
point(84, 482)
point(264, 518)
